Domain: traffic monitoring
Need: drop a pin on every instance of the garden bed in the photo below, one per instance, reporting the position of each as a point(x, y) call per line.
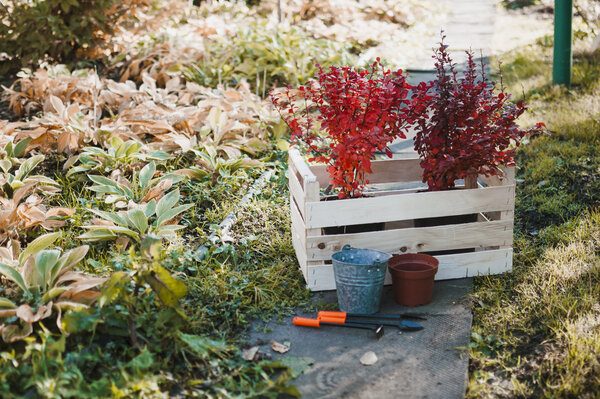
point(398, 208)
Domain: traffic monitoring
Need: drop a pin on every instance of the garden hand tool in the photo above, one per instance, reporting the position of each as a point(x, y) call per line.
point(303, 321)
point(342, 318)
point(408, 316)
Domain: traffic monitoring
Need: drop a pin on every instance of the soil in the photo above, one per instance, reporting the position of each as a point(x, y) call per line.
point(5, 113)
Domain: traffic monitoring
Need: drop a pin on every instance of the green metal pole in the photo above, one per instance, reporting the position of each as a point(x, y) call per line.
point(563, 38)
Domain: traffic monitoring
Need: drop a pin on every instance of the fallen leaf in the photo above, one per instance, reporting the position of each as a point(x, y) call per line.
point(250, 353)
point(369, 358)
point(298, 364)
point(279, 347)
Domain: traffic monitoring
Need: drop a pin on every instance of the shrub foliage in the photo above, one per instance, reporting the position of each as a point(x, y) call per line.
point(33, 30)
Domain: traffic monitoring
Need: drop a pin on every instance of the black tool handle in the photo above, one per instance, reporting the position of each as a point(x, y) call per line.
point(415, 316)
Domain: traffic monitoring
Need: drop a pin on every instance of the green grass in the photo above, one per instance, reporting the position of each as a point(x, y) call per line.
point(195, 349)
point(537, 329)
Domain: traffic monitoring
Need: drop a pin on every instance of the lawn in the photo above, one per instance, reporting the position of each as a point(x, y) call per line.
point(535, 330)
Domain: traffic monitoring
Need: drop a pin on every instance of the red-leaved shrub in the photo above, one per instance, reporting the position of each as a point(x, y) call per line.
point(469, 127)
point(346, 116)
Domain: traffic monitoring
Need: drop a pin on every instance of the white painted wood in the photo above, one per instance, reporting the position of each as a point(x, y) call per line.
point(321, 278)
point(474, 264)
point(298, 225)
point(384, 171)
point(408, 206)
point(507, 179)
point(312, 191)
point(297, 193)
point(398, 208)
point(298, 163)
point(412, 240)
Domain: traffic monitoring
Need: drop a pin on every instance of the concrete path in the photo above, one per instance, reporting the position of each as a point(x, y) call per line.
point(430, 363)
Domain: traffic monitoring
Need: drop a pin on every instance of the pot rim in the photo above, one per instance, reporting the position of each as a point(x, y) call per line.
point(428, 266)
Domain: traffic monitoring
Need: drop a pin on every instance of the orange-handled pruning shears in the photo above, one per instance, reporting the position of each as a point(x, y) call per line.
point(306, 322)
point(345, 318)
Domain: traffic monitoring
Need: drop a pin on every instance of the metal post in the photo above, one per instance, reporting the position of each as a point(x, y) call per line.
point(563, 38)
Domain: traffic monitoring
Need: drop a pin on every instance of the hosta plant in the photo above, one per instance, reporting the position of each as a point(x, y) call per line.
point(140, 189)
point(11, 153)
point(153, 218)
point(227, 134)
point(470, 125)
point(259, 52)
point(348, 115)
point(25, 210)
point(40, 283)
point(118, 155)
point(11, 179)
point(212, 166)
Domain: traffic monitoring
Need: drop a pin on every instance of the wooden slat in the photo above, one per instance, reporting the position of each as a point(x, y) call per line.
point(295, 159)
point(321, 278)
point(411, 240)
point(384, 171)
point(320, 171)
point(473, 264)
point(300, 255)
point(296, 191)
point(298, 225)
point(408, 206)
point(508, 178)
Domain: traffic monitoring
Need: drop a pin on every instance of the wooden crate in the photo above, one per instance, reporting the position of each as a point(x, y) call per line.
point(491, 236)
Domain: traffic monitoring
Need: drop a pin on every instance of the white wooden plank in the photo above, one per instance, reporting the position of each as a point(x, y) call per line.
point(300, 252)
point(507, 179)
point(321, 278)
point(296, 192)
point(298, 163)
point(475, 263)
point(384, 171)
point(298, 225)
point(411, 240)
point(311, 191)
point(408, 206)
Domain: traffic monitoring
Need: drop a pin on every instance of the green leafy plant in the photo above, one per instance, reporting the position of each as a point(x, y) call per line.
point(25, 211)
point(153, 218)
point(68, 26)
point(118, 155)
point(141, 189)
point(145, 271)
point(265, 56)
point(213, 167)
point(12, 152)
point(42, 282)
point(11, 181)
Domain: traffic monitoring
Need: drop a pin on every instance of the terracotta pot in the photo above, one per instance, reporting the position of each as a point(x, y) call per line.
point(412, 278)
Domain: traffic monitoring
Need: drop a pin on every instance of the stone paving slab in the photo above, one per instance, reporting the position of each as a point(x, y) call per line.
point(424, 364)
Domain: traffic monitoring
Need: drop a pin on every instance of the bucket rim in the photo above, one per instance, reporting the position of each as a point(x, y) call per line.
point(382, 257)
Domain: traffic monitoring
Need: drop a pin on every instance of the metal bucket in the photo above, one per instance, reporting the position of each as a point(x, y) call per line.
point(359, 275)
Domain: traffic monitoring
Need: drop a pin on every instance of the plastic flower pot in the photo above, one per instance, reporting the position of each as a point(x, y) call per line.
point(412, 278)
